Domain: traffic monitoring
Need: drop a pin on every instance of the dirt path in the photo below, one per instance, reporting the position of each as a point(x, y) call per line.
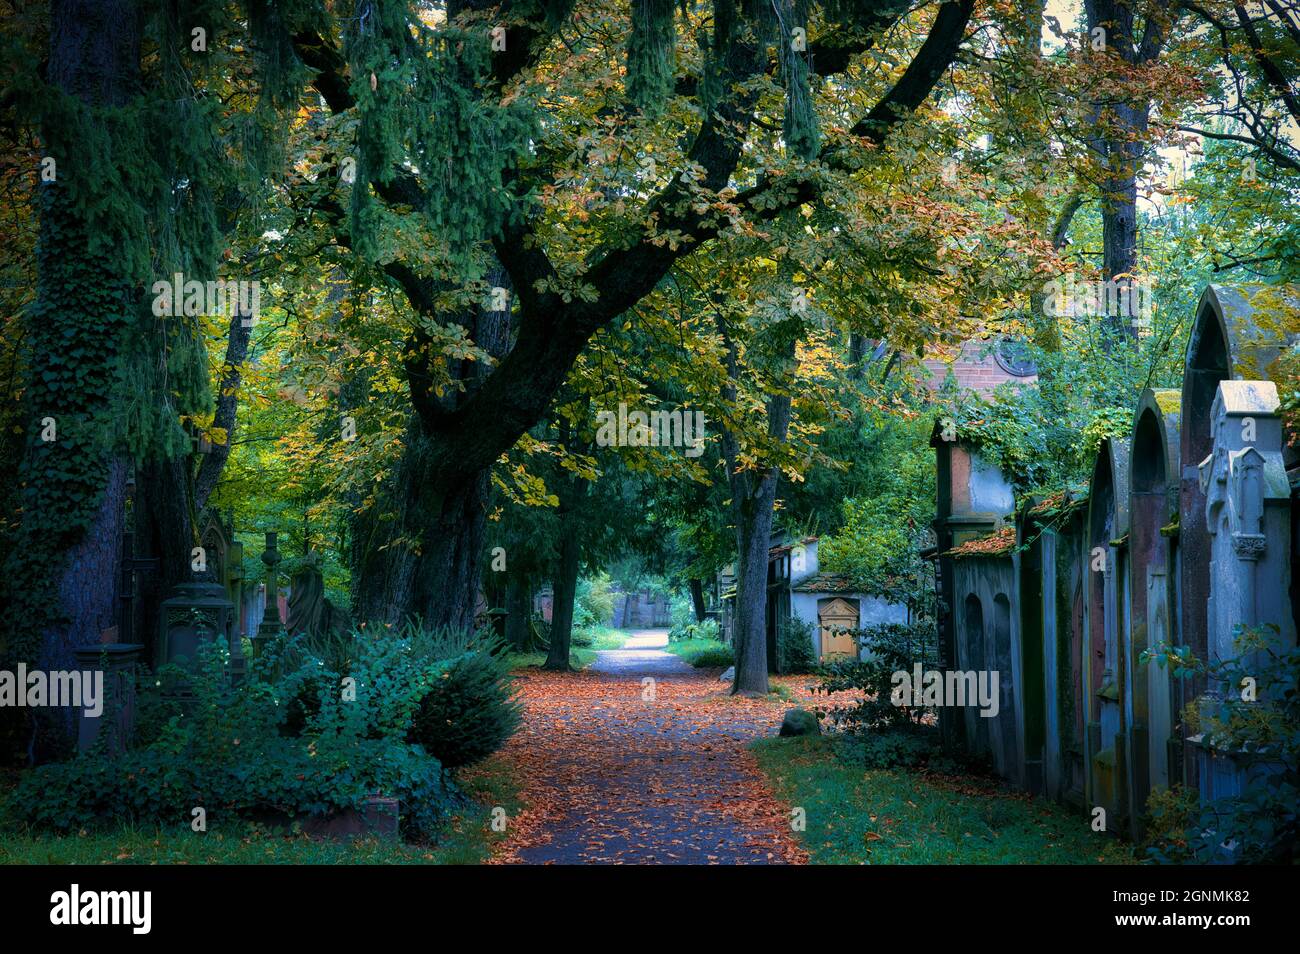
point(641, 760)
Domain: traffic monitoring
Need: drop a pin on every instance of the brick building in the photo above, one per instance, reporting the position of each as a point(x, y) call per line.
point(982, 366)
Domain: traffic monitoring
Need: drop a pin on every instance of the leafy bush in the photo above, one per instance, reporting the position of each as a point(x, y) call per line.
point(681, 614)
point(794, 646)
point(594, 602)
point(707, 630)
point(1170, 812)
point(224, 749)
point(469, 712)
point(891, 647)
point(906, 746)
point(903, 747)
point(1262, 824)
point(703, 653)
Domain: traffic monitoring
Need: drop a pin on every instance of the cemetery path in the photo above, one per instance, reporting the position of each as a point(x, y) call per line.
point(642, 759)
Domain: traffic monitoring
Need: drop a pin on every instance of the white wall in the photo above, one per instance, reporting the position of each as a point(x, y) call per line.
point(989, 490)
point(872, 610)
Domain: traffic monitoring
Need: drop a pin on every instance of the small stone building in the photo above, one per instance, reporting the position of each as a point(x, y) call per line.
point(798, 589)
point(829, 603)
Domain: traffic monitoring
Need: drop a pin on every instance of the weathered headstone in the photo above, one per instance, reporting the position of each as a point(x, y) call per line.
point(1247, 517)
point(117, 716)
point(310, 613)
point(1247, 501)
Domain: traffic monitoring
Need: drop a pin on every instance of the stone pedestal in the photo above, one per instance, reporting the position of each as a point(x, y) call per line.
point(271, 625)
point(192, 614)
point(378, 817)
point(117, 661)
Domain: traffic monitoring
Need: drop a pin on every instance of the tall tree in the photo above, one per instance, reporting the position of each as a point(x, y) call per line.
point(1122, 122)
point(563, 289)
point(73, 480)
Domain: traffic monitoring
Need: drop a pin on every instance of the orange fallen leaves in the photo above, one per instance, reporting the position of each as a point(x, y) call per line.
point(609, 777)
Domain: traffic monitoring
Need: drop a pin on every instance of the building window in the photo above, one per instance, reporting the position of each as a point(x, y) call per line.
point(1013, 357)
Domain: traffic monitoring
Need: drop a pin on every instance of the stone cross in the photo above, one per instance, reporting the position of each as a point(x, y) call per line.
point(271, 624)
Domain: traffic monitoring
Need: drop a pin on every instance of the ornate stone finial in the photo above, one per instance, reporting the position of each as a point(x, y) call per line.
point(271, 555)
point(271, 617)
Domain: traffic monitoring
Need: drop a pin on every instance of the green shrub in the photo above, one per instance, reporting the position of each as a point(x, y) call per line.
point(681, 613)
point(593, 604)
point(892, 647)
point(469, 712)
point(908, 746)
point(1261, 825)
point(708, 630)
point(703, 653)
point(278, 778)
point(1170, 813)
point(888, 748)
point(225, 749)
point(794, 642)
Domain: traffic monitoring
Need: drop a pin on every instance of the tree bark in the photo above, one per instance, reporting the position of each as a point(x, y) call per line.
point(697, 600)
point(753, 495)
point(1120, 151)
point(565, 586)
point(64, 560)
point(424, 561)
point(753, 538)
point(519, 611)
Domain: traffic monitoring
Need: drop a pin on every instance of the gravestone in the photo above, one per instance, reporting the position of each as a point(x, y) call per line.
point(1153, 515)
point(1054, 567)
point(310, 613)
point(1247, 517)
point(1237, 334)
point(1106, 572)
point(118, 662)
point(1247, 501)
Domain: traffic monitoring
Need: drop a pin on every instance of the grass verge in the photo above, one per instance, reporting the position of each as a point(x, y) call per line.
point(886, 816)
point(702, 653)
point(579, 658)
point(606, 637)
point(468, 838)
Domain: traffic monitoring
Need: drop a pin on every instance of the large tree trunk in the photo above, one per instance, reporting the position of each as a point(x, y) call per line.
point(164, 528)
point(1121, 149)
point(565, 586)
point(697, 600)
point(425, 561)
point(753, 536)
point(753, 495)
point(519, 613)
point(61, 570)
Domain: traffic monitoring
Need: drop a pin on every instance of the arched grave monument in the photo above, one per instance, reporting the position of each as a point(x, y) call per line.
point(1149, 713)
point(1106, 615)
point(1238, 334)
